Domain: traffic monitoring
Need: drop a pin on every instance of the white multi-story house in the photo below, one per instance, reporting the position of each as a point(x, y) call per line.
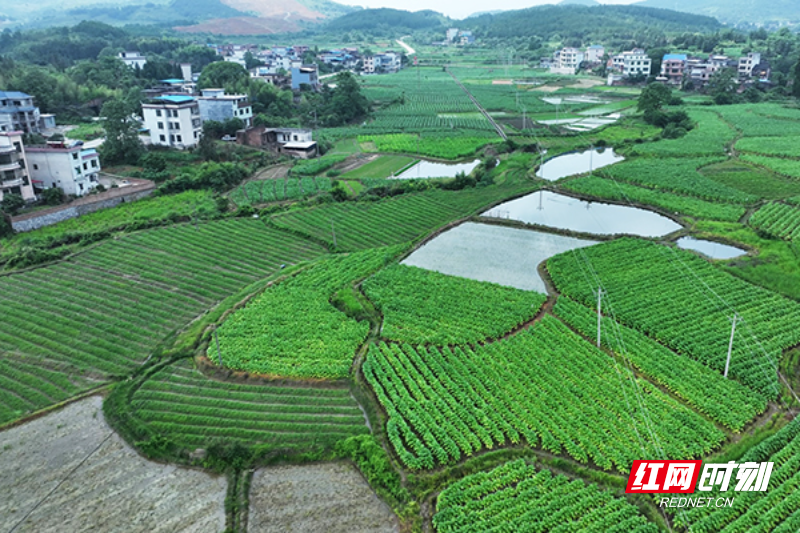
point(451, 34)
point(14, 177)
point(632, 63)
point(594, 53)
point(747, 63)
point(70, 167)
point(133, 59)
point(567, 61)
point(173, 120)
point(385, 63)
point(214, 104)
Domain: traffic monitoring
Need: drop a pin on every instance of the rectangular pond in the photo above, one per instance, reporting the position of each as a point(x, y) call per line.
point(487, 252)
point(431, 169)
point(554, 210)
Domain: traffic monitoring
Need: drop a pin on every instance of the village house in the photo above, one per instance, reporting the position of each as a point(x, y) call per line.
point(173, 120)
point(14, 177)
point(70, 167)
point(18, 113)
point(673, 67)
point(296, 142)
point(385, 63)
point(304, 75)
point(214, 104)
point(133, 59)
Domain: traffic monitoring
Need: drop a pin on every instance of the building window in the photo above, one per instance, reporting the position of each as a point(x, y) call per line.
point(172, 138)
point(94, 163)
point(35, 166)
point(161, 125)
point(162, 138)
point(158, 112)
point(195, 135)
point(77, 170)
point(86, 166)
point(178, 137)
point(75, 155)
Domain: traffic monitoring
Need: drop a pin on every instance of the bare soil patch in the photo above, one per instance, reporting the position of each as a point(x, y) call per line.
point(327, 497)
point(68, 471)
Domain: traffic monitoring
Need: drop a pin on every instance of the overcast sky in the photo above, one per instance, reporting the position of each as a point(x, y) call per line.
point(460, 8)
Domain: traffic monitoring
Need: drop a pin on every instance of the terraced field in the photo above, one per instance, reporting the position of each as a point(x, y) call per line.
point(69, 326)
point(277, 190)
point(192, 411)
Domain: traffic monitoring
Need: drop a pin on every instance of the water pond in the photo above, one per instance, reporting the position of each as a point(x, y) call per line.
point(564, 212)
point(486, 252)
point(711, 249)
point(577, 163)
point(431, 169)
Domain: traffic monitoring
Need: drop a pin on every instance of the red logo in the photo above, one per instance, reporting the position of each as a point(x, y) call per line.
point(670, 477)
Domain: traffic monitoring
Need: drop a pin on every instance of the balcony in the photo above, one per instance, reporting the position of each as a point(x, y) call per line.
point(15, 182)
point(4, 167)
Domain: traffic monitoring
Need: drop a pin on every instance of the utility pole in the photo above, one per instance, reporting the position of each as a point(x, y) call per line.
point(734, 320)
point(540, 200)
point(600, 293)
point(591, 160)
point(333, 231)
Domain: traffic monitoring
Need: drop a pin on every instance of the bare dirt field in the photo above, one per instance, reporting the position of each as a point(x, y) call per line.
point(68, 472)
point(329, 497)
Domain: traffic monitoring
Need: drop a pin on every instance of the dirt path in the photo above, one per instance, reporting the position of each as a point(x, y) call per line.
point(271, 173)
point(409, 50)
point(68, 471)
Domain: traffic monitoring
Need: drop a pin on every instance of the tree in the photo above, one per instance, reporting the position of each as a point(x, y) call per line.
point(222, 74)
point(53, 196)
point(796, 80)
point(122, 144)
point(251, 61)
point(722, 86)
point(346, 103)
point(654, 97)
point(12, 203)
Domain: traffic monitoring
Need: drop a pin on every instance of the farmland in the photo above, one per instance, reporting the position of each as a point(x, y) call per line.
point(777, 219)
point(425, 307)
point(278, 190)
point(516, 496)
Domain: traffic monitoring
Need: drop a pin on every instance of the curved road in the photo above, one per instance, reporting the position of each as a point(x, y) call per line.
point(409, 50)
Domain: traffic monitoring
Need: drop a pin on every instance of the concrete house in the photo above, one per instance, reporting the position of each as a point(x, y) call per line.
point(673, 67)
point(18, 112)
point(747, 63)
point(14, 177)
point(173, 120)
point(296, 142)
point(387, 62)
point(567, 61)
point(70, 167)
point(304, 75)
point(214, 104)
point(632, 63)
point(133, 59)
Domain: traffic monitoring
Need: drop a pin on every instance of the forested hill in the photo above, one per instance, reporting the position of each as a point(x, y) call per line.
point(736, 11)
point(396, 19)
point(606, 23)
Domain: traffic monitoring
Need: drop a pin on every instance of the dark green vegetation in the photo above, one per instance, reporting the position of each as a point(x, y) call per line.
point(277, 190)
point(425, 307)
point(516, 496)
point(176, 409)
point(444, 404)
point(292, 330)
point(688, 305)
point(779, 220)
point(101, 314)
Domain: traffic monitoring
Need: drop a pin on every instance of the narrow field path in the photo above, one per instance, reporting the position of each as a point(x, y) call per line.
point(494, 124)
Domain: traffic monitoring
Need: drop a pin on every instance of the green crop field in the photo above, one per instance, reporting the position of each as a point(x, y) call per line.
point(779, 146)
point(684, 302)
point(191, 410)
point(426, 307)
point(725, 401)
point(748, 178)
point(678, 175)
point(777, 219)
point(446, 403)
point(710, 136)
point(103, 312)
point(786, 167)
point(518, 497)
point(382, 167)
point(760, 120)
point(293, 330)
point(686, 205)
point(777, 509)
point(445, 146)
point(391, 221)
point(277, 190)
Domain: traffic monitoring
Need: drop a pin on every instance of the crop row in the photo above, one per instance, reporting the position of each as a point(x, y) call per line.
point(292, 330)
point(726, 401)
point(678, 175)
point(776, 510)
point(684, 302)
point(780, 165)
point(778, 146)
point(539, 386)
point(778, 219)
point(515, 497)
point(104, 311)
point(710, 136)
point(750, 119)
point(202, 411)
point(445, 147)
point(265, 191)
point(687, 205)
point(425, 307)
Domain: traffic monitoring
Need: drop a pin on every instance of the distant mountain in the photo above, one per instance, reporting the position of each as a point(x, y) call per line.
point(395, 19)
point(579, 3)
point(229, 17)
point(759, 12)
point(602, 22)
point(481, 13)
